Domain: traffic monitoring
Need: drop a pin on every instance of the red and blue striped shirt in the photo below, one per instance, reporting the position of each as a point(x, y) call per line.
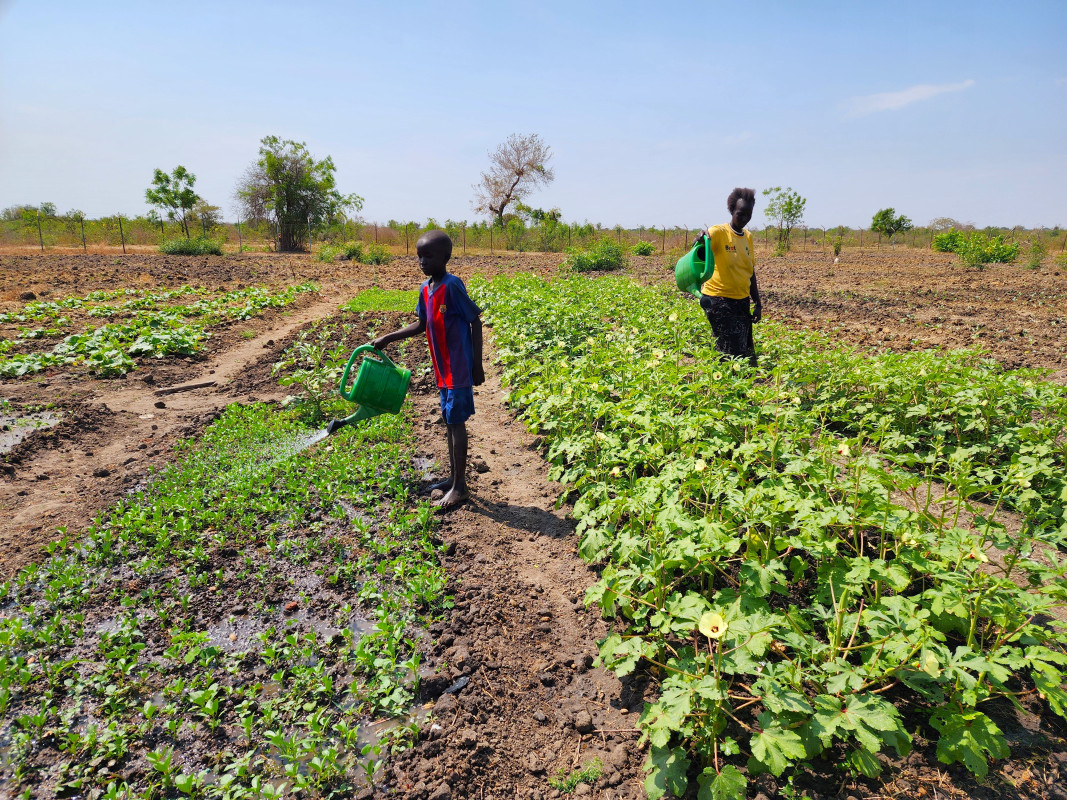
point(448, 312)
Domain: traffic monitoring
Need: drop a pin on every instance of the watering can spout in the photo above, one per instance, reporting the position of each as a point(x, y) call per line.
point(362, 413)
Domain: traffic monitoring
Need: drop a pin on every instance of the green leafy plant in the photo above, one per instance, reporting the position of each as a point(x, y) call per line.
point(605, 254)
point(822, 548)
point(376, 254)
point(313, 363)
point(947, 242)
point(643, 248)
point(567, 782)
point(1036, 252)
point(978, 250)
point(191, 247)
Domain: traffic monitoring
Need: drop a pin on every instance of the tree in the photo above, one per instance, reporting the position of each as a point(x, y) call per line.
point(288, 187)
point(516, 168)
point(47, 209)
point(174, 194)
point(209, 216)
point(888, 225)
point(785, 208)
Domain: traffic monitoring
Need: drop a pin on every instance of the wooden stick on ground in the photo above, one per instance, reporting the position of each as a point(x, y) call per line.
point(185, 388)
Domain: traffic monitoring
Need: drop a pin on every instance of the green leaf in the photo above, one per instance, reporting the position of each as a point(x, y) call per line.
point(967, 737)
point(729, 784)
point(667, 769)
point(776, 747)
point(865, 762)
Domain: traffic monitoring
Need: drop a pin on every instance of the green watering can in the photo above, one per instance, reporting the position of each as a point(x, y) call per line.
point(379, 388)
point(695, 267)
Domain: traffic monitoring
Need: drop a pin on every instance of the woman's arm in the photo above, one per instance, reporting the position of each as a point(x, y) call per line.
point(753, 292)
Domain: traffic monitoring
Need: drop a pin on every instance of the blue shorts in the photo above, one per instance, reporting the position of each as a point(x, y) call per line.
point(457, 405)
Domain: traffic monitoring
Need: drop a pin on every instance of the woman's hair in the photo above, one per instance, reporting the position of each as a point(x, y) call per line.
point(740, 194)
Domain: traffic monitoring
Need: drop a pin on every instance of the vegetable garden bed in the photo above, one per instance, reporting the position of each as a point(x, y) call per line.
point(752, 553)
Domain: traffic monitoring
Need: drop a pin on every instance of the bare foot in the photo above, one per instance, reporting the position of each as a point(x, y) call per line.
point(454, 499)
point(439, 486)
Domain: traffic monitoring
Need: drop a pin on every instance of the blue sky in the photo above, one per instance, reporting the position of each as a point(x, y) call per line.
point(653, 112)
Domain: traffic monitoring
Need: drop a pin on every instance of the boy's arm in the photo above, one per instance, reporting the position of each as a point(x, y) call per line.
point(477, 371)
point(404, 333)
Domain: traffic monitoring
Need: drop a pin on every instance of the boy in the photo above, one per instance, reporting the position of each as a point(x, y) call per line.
point(453, 328)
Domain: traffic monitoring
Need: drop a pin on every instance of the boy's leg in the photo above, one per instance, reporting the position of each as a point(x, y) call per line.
point(446, 484)
point(457, 456)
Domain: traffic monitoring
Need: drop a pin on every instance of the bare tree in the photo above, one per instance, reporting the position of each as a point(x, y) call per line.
point(515, 168)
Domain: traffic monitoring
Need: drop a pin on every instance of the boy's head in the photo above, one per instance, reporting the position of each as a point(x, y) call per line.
point(434, 248)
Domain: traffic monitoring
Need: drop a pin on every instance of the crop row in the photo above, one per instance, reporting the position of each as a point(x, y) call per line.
point(803, 555)
point(228, 630)
point(109, 349)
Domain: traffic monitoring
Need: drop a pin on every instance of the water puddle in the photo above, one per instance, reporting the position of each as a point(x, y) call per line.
point(15, 429)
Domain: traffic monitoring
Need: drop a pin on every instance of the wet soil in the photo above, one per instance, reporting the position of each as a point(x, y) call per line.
point(519, 632)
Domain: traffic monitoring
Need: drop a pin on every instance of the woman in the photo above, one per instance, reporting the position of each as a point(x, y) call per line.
point(725, 296)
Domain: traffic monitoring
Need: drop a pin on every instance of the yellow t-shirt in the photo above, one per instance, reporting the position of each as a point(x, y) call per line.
point(735, 261)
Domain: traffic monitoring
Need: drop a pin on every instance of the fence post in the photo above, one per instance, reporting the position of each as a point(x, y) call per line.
point(464, 237)
point(82, 221)
point(162, 233)
point(240, 244)
point(122, 235)
point(40, 236)
point(309, 235)
point(407, 251)
point(490, 238)
point(663, 247)
point(376, 233)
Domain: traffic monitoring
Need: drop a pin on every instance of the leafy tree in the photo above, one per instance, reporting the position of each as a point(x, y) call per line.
point(47, 209)
point(885, 223)
point(516, 168)
point(174, 194)
point(209, 216)
point(287, 186)
point(945, 224)
point(785, 208)
point(538, 215)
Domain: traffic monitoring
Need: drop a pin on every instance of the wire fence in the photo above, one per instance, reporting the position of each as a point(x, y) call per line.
point(133, 234)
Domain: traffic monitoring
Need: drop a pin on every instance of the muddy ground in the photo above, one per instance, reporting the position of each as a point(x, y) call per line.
point(519, 631)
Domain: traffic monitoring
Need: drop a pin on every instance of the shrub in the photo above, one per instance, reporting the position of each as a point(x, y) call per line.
point(643, 248)
point(191, 247)
point(352, 251)
point(376, 254)
point(328, 253)
point(604, 254)
point(947, 242)
point(977, 250)
point(1038, 249)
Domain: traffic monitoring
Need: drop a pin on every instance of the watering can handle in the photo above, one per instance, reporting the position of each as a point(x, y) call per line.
point(363, 348)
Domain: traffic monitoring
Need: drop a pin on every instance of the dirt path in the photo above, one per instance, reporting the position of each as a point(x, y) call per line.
point(534, 706)
point(117, 434)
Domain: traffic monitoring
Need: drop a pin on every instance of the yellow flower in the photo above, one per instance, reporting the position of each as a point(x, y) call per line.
point(712, 625)
point(672, 318)
point(700, 465)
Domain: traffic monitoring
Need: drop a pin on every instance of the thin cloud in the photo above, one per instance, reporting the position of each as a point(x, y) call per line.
point(894, 101)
